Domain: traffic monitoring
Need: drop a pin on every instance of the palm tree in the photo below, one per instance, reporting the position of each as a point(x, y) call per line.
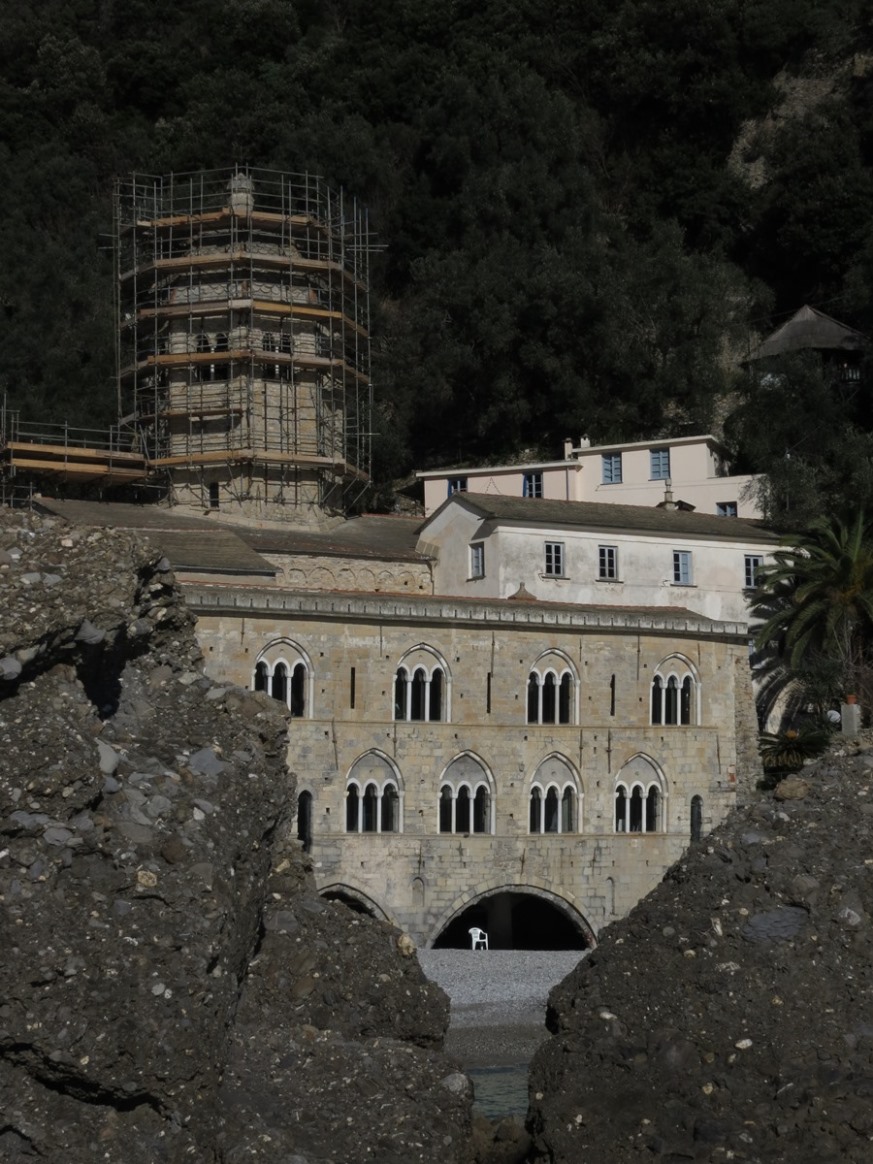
point(816, 599)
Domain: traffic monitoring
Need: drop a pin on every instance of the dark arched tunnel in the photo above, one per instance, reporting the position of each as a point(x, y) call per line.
point(515, 921)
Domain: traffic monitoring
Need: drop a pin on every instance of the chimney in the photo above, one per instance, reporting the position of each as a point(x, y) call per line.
point(568, 449)
point(669, 503)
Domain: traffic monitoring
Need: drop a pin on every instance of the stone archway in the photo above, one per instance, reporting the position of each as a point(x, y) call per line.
point(515, 917)
point(355, 899)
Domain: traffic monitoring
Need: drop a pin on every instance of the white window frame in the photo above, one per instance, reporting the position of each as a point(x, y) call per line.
point(532, 485)
point(658, 460)
point(610, 468)
point(726, 508)
point(607, 563)
point(555, 562)
point(457, 485)
point(477, 559)
point(753, 563)
point(683, 568)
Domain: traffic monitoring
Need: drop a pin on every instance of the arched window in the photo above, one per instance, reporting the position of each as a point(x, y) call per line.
point(373, 799)
point(551, 819)
point(465, 797)
point(696, 818)
point(421, 687)
point(297, 692)
point(279, 683)
point(554, 797)
point(352, 808)
point(284, 670)
point(536, 810)
point(551, 690)
point(462, 810)
point(567, 806)
point(639, 798)
point(369, 806)
point(304, 820)
point(674, 692)
point(447, 823)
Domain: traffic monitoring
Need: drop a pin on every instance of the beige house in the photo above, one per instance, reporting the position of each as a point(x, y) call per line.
point(493, 546)
point(693, 468)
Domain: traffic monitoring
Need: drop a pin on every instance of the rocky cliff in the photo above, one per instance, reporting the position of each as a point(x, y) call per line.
point(171, 987)
point(730, 1015)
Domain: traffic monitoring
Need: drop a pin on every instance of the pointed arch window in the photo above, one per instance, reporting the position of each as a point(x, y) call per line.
point(674, 693)
point(639, 798)
point(465, 797)
point(284, 672)
point(421, 687)
point(551, 691)
point(554, 798)
point(373, 797)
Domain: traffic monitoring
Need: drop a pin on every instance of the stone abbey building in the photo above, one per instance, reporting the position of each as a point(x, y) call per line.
point(515, 713)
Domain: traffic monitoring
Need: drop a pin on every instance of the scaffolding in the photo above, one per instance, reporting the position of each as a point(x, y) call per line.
point(243, 351)
point(51, 452)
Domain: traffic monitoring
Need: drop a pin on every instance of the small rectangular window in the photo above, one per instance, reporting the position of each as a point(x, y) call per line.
point(555, 559)
point(488, 694)
point(754, 562)
point(352, 687)
point(612, 468)
point(682, 567)
point(726, 508)
point(457, 485)
point(659, 461)
point(607, 565)
point(533, 485)
point(477, 560)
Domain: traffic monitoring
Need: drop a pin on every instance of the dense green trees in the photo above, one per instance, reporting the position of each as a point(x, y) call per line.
point(565, 247)
point(809, 429)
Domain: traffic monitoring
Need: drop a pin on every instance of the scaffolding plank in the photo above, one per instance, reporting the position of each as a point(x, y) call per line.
point(62, 450)
point(79, 470)
point(263, 306)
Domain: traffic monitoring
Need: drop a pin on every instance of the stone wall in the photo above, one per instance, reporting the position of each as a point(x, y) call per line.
point(419, 877)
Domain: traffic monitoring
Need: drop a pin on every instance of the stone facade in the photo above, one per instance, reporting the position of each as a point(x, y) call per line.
point(346, 651)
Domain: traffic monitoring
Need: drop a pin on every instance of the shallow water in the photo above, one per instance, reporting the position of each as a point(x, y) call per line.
point(500, 1091)
point(498, 1016)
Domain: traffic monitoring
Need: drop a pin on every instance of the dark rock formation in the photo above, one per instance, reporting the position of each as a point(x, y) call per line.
point(171, 987)
point(730, 1016)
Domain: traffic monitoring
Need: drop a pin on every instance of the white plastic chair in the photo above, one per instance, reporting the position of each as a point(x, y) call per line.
point(478, 938)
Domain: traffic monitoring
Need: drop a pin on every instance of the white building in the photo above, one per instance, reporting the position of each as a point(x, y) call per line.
point(694, 468)
point(591, 554)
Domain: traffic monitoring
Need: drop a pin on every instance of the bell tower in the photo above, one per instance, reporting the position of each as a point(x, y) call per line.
point(243, 340)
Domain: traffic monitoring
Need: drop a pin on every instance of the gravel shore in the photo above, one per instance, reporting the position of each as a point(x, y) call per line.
point(498, 999)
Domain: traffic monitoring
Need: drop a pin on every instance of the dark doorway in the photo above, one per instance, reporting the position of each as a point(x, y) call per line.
point(516, 921)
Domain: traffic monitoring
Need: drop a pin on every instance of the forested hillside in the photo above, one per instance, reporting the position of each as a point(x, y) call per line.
point(582, 208)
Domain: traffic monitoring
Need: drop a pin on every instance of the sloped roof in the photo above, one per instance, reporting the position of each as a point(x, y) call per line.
point(210, 545)
point(603, 515)
point(370, 536)
point(809, 330)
